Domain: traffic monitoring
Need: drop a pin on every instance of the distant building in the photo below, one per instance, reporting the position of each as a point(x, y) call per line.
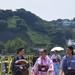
point(67, 22)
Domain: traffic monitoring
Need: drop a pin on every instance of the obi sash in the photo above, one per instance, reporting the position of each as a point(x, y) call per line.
point(71, 70)
point(56, 60)
point(42, 68)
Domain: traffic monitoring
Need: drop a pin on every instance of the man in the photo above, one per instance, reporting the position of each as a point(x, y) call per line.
point(18, 68)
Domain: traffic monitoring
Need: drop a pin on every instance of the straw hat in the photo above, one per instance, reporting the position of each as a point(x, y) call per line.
point(22, 61)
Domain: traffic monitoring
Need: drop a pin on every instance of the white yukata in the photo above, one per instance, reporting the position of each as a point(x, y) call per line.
point(46, 61)
point(56, 62)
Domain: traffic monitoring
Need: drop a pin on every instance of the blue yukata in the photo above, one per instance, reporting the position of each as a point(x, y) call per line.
point(68, 65)
point(56, 62)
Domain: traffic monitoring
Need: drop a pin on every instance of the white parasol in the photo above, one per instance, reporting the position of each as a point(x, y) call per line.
point(57, 48)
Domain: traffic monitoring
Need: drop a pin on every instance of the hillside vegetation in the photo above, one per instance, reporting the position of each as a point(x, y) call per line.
point(22, 28)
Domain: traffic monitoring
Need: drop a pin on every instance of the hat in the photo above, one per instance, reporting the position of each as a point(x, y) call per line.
point(22, 61)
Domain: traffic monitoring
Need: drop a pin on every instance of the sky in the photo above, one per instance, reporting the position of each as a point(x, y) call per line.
point(46, 9)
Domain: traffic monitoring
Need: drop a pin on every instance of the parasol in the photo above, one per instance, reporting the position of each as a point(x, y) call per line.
point(57, 48)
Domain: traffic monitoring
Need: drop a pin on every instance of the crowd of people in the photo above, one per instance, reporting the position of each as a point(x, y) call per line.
point(45, 64)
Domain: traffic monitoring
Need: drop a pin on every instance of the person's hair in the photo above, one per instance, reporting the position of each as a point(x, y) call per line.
point(56, 51)
point(48, 53)
point(44, 50)
point(71, 48)
point(19, 50)
point(36, 53)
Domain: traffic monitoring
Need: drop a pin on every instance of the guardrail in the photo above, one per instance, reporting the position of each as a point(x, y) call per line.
point(8, 62)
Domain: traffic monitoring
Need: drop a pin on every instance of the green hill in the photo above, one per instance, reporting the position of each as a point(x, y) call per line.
point(35, 31)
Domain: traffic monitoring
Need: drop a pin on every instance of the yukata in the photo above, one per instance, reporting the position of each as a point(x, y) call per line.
point(16, 67)
point(68, 65)
point(47, 62)
point(56, 62)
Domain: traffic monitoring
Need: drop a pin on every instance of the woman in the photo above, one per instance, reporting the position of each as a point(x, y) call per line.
point(68, 62)
point(43, 65)
point(56, 62)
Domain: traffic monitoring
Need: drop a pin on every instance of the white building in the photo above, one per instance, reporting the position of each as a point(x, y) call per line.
point(67, 22)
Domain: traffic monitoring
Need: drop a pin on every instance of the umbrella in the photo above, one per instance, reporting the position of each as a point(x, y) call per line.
point(57, 48)
point(22, 61)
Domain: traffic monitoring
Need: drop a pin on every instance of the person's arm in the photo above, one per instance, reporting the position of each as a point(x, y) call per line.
point(64, 64)
point(51, 68)
point(14, 66)
point(61, 72)
point(26, 66)
point(34, 70)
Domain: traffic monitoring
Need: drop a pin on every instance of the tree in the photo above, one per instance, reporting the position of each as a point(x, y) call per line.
point(57, 37)
point(69, 34)
point(9, 46)
point(20, 43)
point(3, 24)
point(28, 51)
point(1, 46)
point(21, 24)
point(12, 46)
point(74, 19)
point(9, 13)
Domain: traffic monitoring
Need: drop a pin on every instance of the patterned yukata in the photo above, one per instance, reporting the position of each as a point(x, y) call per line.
point(56, 62)
point(47, 62)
